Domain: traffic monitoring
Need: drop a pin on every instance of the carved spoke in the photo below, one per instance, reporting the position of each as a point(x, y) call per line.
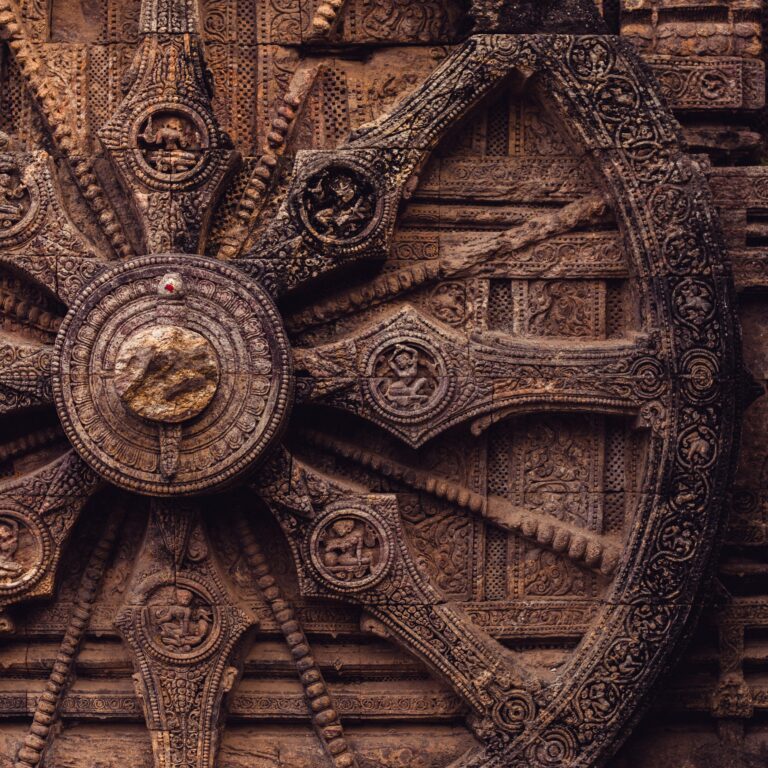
point(342, 206)
point(37, 236)
point(261, 179)
point(25, 375)
point(183, 629)
point(48, 708)
point(56, 103)
point(416, 378)
point(465, 255)
point(164, 141)
point(319, 700)
point(37, 513)
point(350, 546)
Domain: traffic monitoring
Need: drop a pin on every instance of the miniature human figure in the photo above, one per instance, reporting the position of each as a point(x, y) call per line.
point(346, 548)
point(9, 544)
point(409, 386)
point(11, 195)
point(171, 146)
point(340, 205)
point(182, 626)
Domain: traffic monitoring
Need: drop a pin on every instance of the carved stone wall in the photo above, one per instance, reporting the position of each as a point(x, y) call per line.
point(381, 384)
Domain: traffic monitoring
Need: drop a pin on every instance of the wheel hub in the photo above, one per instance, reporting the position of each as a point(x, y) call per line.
point(172, 375)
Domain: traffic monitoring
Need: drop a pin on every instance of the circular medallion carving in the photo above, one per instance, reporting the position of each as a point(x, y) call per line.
point(21, 200)
point(180, 622)
point(171, 142)
point(339, 204)
point(172, 350)
point(407, 379)
point(24, 547)
point(350, 548)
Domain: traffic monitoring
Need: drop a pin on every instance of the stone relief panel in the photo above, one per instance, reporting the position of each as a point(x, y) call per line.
point(371, 383)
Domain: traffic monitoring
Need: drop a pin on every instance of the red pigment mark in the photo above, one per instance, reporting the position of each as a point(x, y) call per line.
point(169, 287)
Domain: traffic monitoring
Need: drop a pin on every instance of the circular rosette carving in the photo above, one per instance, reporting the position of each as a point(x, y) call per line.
point(25, 547)
point(649, 377)
point(340, 204)
point(556, 748)
point(700, 371)
point(350, 548)
point(172, 350)
point(513, 712)
point(180, 622)
point(407, 379)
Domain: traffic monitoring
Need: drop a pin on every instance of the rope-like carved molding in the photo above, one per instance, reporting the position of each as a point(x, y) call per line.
point(324, 717)
point(49, 703)
point(52, 106)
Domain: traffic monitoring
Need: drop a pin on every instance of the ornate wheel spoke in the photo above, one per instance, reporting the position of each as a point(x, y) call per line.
point(464, 255)
point(183, 630)
point(342, 205)
point(37, 236)
point(56, 104)
point(416, 377)
point(25, 378)
point(37, 513)
point(163, 140)
point(350, 546)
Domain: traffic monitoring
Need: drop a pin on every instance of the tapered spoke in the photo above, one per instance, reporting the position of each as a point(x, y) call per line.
point(465, 255)
point(416, 378)
point(57, 105)
point(163, 140)
point(39, 239)
point(583, 548)
point(184, 631)
point(350, 546)
point(341, 207)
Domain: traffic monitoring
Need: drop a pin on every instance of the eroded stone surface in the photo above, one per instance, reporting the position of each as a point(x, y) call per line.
point(167, 373)
point(510, 278)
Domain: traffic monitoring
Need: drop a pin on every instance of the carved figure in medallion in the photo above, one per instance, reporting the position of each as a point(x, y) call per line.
point(170, 142)
point(9, 545)
point(339, 203)
point(406, 378)
point(349, 547)
point(184, 622)
point(14, 196)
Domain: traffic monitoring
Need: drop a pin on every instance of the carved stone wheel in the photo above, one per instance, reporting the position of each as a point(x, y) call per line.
point(498, 436)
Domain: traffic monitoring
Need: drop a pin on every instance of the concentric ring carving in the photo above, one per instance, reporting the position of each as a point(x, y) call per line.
point(236, 319)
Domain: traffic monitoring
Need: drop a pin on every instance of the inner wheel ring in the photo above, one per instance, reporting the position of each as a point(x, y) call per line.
point(172, 356)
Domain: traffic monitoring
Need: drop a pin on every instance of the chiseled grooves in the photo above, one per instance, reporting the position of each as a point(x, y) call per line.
point(52, 109)
point(581, 547)
point(46, 711)
point(324, 716)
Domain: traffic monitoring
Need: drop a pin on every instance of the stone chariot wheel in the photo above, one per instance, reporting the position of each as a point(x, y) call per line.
point(476, 404)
